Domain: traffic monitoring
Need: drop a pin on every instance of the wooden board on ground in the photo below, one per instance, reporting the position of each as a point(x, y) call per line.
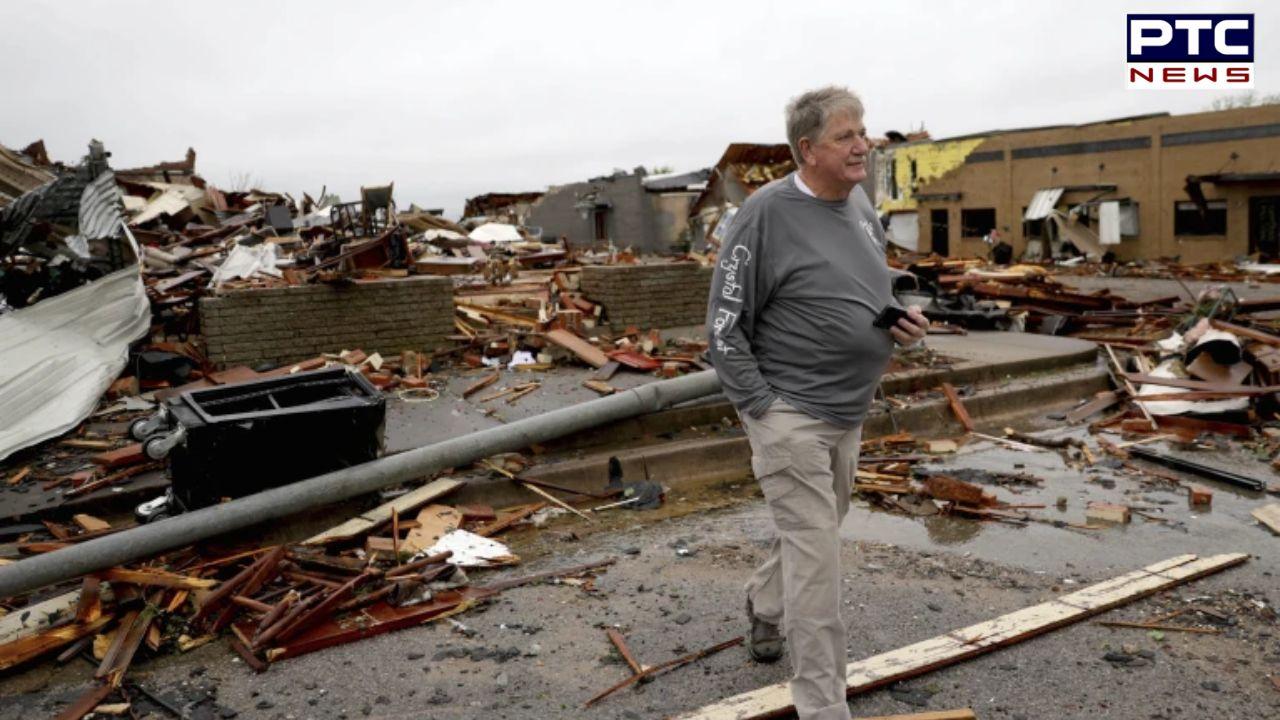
point(1100, 402)
point(964, 714)
point(585, 351)
point(957, 407)
point(434, 521)
point(380, 515)
point(607, 371)
point(1269, 515)
point(965, 643)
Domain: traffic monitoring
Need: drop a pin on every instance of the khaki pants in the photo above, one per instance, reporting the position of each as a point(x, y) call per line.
point(805, 468)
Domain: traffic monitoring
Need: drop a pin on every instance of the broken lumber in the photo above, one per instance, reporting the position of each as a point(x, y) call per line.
point(509, 519)
point(963, 714)
point(957, 407)
point(1268, 515)
point(156, 578)
point(585, 351)
point(481, 384)
point(965, 643)
point(380, 515)
point(669, 665)
point(1100, 402)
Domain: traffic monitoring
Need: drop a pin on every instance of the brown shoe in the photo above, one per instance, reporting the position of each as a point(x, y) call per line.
point(764, 642)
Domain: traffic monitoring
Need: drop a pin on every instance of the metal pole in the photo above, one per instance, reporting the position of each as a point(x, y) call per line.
point(147, 540)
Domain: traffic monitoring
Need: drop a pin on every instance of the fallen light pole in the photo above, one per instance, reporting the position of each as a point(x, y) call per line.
point(146, 540)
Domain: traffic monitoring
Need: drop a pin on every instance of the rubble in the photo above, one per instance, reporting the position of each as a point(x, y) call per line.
point(1193, 372)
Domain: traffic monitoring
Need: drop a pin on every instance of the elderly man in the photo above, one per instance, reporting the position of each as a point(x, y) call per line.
point(800, 280)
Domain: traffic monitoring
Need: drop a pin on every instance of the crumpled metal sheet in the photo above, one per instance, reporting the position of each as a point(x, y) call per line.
point(61, 354)
point(1043, 203)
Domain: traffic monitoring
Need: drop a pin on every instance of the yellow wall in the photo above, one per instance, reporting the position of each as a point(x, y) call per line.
point(933, 160)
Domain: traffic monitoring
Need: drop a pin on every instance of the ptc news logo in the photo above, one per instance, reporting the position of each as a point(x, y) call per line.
point(1190, 51)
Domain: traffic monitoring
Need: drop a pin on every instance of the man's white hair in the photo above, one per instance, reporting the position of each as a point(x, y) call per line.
point(807, 114)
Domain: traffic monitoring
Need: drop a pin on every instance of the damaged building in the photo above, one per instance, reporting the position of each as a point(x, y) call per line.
point(1201, 187)
point(637, 210)
point(506, 208)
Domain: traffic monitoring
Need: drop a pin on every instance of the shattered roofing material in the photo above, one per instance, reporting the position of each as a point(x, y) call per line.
point(17, 176)
point(62, 353)
point(1043, 203)
point(677, 181)
point(100, 208)
point(172, 200)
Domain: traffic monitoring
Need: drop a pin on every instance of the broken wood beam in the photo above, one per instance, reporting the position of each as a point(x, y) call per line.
point(416, 565)
point(1100, 402)
point(324, 608)
point(961, 714)
point(481, 384)
point(253, 661)
point(555, 500)
point(85, 704)
point(380, 515)
point(511, 518)
point(957, 407)
point(669, 665)
point(965, 643)
point(620, 643)
point(156, 578)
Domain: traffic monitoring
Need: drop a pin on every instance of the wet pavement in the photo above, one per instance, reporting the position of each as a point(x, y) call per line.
point(1173, 527)
point(540, 652)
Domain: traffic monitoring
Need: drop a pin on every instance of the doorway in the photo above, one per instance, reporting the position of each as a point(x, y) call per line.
point(940, 233)
point(1264, 226)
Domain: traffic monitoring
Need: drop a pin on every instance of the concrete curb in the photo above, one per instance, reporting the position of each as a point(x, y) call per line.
point(716, 408)
point(685, 463)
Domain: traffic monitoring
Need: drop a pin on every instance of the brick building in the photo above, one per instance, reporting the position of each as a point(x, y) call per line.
point(1203, 187)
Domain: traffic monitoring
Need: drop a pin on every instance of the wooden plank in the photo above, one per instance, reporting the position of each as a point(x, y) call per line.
point(89, 523)
point(1100, 402)
point(509, 519)
point(1269, 515)
point(28, 648)
point(127, 455)
point(481, 384)
point(963, 714)
point(957, 407)
point(380, 515)
point(585, 351)
point(607, 371)
point(156, 578)
point(965, 643)
point(85, 704)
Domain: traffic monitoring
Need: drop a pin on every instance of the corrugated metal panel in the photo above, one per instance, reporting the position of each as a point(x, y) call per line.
point(1043, 203)
point(61, 354)
point(101, 212)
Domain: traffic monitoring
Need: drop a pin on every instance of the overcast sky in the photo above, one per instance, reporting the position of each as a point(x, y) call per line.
point(451, 100)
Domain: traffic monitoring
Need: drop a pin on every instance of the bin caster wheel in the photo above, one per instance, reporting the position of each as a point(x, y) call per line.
point(155, 447)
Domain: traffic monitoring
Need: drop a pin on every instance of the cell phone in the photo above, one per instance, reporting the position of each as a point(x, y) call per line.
point(888, 317)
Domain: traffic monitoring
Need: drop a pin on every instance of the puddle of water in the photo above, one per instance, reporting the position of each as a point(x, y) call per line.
point(1225, 527)
point(1040, 546)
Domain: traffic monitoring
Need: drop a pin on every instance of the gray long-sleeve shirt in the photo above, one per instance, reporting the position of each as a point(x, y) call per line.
point(798, 282)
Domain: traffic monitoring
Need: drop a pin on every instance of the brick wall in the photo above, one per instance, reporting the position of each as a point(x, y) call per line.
point(649, 296)
point(279, 325)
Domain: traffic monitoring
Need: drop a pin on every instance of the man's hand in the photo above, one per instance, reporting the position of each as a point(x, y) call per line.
point(910, 329)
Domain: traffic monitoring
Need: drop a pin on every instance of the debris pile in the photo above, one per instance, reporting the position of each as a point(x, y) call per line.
point(406, 562)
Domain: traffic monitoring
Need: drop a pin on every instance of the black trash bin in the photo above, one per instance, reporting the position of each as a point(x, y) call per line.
point(235, 440)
